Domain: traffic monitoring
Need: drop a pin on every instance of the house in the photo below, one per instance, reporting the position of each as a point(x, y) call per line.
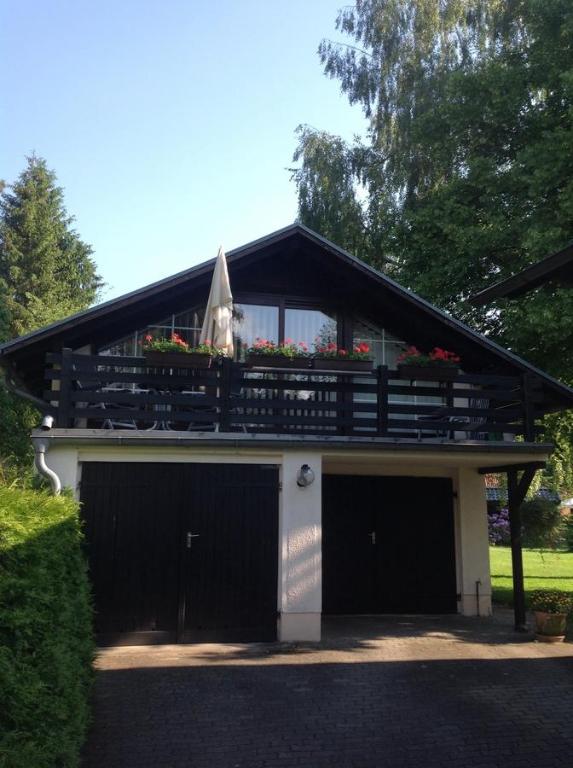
point(242, 503)
point(556, 269)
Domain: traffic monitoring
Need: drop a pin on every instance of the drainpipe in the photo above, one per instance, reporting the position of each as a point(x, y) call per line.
point(11, 382)
point(40, 448)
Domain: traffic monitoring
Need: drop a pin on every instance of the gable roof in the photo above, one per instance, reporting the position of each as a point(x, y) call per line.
point(81, 324)
point(558, 266)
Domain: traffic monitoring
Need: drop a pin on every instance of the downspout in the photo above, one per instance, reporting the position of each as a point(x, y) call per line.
point(10, 379)
point(40, 448)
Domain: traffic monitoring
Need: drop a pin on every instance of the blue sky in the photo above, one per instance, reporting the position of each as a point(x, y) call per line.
point(170, 124)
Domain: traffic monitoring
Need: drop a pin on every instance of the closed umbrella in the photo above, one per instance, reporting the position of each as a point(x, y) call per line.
point(217, 325)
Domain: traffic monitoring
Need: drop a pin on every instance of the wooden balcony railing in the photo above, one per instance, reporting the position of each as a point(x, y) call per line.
point(112, 392)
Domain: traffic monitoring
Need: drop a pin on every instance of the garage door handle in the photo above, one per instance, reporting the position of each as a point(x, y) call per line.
point(189, 537)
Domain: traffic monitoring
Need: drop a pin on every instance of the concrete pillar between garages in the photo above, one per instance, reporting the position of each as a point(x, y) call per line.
point(300, 547)
point(473, 555)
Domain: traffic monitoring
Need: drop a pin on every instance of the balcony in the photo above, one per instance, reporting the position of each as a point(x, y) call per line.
point(109, 392)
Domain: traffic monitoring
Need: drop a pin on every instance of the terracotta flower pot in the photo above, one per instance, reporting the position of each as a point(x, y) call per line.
point(341, 364)
point(550, 627)
point(276, 361)
point(427, 372)
point(157, 359)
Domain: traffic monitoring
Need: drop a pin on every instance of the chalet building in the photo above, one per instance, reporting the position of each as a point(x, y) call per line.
point(243, 501)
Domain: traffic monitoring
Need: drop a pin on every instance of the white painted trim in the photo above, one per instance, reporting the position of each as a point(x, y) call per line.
point(178, 455)
point(454, 460)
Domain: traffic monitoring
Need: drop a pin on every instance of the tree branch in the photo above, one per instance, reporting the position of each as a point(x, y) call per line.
point(347, 45)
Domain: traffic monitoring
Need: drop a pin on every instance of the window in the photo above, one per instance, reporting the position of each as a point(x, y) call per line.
point(310, 326)
point(187, 324)
point(249, 322)
point(252, 321)
point(385, 349)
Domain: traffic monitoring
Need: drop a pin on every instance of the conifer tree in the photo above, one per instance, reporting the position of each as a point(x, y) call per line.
point(46, 270)
point(46, 273)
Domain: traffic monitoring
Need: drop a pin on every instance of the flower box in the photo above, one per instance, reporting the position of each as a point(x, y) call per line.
point(427, 372)
point(276, 361)
point(341, 364)
point(159, 359)
point(550, 627)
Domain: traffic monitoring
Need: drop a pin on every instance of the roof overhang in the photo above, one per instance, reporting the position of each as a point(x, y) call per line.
point(468, 453)
point(558, 267)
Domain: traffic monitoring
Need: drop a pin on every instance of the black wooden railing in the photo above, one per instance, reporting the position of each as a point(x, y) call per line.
point(126, 393)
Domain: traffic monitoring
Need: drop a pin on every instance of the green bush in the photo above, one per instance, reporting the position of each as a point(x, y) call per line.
point(542, 523)
point(46, 644)
point(550, 601)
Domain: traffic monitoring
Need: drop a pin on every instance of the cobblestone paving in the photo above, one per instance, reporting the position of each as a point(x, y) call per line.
point(376, 693)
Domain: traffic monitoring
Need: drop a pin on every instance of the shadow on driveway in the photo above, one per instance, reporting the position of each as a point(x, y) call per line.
point(391, 691)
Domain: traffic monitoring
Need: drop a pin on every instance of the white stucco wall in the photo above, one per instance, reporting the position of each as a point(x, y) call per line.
point(300, 571)
point(300, 511)
point(64, 462)
point(473, 544)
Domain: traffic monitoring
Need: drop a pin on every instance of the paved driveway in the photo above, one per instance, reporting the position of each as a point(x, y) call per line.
point(420, 692)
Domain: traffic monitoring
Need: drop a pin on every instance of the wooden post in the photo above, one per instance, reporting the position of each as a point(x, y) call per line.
point(225, 395)
point(382, 399)
point(516, 492)
point(64, 418)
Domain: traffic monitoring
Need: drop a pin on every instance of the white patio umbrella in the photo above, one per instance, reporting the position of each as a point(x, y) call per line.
point(217, 325)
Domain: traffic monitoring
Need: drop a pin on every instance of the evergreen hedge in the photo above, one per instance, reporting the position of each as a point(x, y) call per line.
point(46, 644)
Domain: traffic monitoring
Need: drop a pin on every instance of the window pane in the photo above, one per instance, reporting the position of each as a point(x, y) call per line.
point(187, 324)
point(192, 319)
point(252, 321)
point(309, 326)
point(386, 348)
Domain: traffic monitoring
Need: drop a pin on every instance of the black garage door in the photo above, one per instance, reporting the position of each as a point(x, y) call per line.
point(183, 552)
point(388, 545)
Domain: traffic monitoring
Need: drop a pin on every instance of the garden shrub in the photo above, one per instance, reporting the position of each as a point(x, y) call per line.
point(498, 526)
point(541, 521)
point(46, 644)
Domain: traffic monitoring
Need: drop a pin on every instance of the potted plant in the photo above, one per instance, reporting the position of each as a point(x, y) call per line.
point(176, 353)
point(269, 354)
point(550, 609)
point(330, 357)
point(437, 365)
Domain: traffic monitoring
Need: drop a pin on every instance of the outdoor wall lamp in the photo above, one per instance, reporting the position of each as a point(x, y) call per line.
point(305, 476)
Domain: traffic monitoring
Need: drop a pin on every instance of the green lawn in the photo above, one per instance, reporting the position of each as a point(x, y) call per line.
point(543, 569)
